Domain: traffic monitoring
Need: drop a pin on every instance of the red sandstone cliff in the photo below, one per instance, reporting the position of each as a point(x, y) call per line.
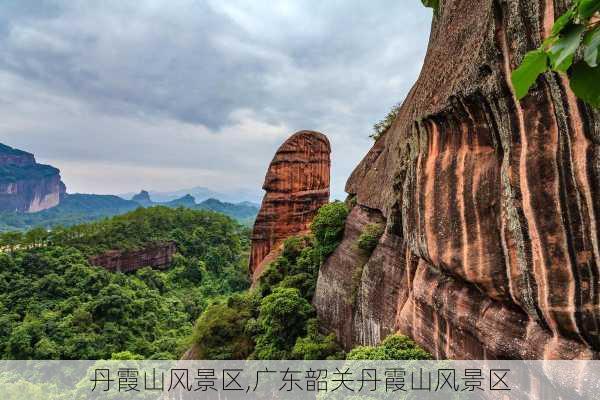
point(491, 247)
point(25, 185)
point(296, 185)
point(159, 255)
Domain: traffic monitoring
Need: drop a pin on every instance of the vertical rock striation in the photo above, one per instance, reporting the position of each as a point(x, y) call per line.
point(491, 245)
point(26, 186)
point(296, 185)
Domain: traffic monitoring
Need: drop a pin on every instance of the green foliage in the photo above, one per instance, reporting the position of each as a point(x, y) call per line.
point(315, 346)
point(220, 332)
point(394, 347)
point(381, 127)
point(126, 356)
point(277, 320)
point(13, 173)
point(328, 227)
point(578, 28)
point(282, 319)
point(53, 304)
point(75, 209)
point(435, 4)
point(583, 74)
point(369, 237)
point(534, 64)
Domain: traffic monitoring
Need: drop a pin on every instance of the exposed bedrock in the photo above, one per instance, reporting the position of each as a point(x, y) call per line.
point(491, 245)
point(296, 185)
point(25, 185)
point(159, 255)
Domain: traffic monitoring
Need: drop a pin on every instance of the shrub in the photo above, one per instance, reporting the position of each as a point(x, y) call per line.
point(282, 319)
point(328, 227)
point(368, 239)
point(380, 128)
point(394, 347)
point(315, 346)
point(220, 332)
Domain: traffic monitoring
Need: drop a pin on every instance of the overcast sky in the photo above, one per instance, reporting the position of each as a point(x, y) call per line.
point(169, 94)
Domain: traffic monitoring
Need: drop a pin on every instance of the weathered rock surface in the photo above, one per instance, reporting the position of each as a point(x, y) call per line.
point(296, 185)
point(156, 256)
point(26, 186)
point(491, 246)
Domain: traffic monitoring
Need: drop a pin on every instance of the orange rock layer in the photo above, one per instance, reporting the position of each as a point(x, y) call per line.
point(159, 256)
point(296, 185)
point(492, 244)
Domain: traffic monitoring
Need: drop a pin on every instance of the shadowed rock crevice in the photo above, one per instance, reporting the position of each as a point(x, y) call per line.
point(497, 255)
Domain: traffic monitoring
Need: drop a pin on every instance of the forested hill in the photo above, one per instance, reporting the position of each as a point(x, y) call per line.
point(53, 304)
point(82, 208)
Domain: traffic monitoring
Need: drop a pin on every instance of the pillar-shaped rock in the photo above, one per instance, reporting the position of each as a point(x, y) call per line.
point(296, 185)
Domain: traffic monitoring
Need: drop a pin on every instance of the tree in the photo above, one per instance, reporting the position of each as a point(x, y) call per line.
point(282, 319)
point(328, 227)
point(394, 347)
point(11, 240)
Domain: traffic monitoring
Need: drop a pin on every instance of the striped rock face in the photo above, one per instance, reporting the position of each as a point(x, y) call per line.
point(297, 185)
point(490, 204)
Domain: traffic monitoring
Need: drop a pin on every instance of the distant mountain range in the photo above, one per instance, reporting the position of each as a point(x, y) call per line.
point(202, 193)
point(81, 208)
point(33, 195)
point(244, 212)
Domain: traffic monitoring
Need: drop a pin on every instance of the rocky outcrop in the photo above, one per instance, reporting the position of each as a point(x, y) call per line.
point(159, 255)
point(296, 185)
point(142, 198)
point(26, 186)
point(491, 245)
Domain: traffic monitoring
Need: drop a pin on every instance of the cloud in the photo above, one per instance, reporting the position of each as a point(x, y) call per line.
point(166, 88)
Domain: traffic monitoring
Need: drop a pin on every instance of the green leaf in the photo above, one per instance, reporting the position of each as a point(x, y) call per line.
point(591, 43)
point(562, 52)
point(534, 64)
point(587, 8)
point(563, 21)
point(585, 83)
point(431, 4)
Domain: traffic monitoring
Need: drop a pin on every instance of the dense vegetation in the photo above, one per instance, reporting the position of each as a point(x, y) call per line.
point(394, 347)
point(77, 209)
point(53, 304)
point(12, 173)
point(275, 320)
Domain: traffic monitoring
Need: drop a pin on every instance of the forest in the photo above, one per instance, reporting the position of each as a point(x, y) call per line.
point(55, 305)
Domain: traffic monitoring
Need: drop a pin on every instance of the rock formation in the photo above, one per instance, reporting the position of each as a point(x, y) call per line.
point(159, 256)
point(297, 184)
point(491, 247)
point(26, 186)
point(142, 198)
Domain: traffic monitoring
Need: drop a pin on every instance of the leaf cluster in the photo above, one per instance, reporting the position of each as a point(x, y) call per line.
point(572, 48)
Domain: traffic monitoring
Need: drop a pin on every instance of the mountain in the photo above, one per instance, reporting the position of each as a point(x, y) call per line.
point(489, 204)
point(142, 198)
point(73, 209)
point(25, 185)
point(81, 208)
point(202, 193)
point(244, 212)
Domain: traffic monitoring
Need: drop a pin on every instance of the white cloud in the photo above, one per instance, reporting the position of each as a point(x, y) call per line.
point(187, 92)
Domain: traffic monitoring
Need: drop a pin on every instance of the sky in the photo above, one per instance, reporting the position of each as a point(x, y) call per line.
point(169, 94)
